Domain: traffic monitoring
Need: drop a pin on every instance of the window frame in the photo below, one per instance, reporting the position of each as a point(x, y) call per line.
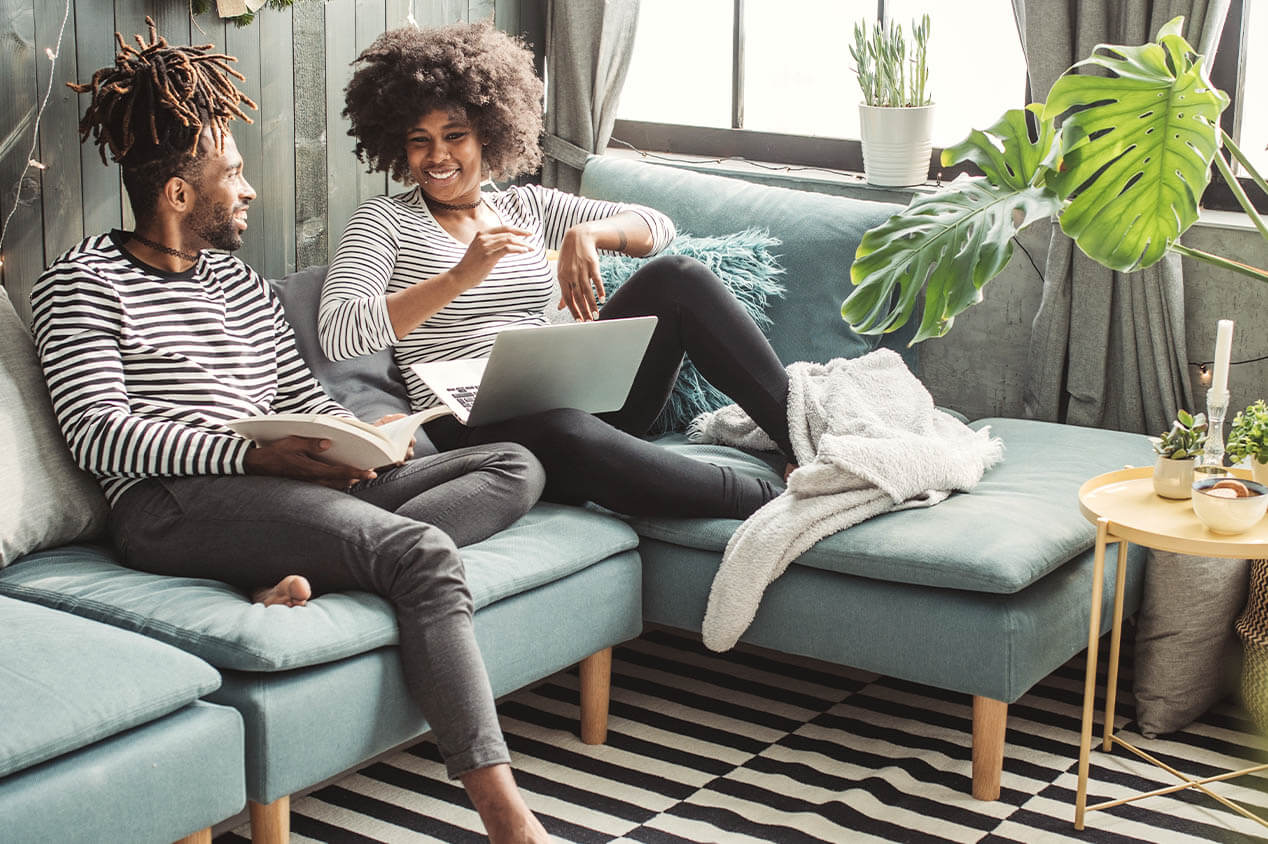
point(1226, 74)
point(846, 154)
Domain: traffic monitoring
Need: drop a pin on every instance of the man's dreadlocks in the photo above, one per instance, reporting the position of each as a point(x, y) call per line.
point(151, 106)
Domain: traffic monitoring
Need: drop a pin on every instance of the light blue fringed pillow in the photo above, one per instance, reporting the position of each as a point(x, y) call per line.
point(746, 264)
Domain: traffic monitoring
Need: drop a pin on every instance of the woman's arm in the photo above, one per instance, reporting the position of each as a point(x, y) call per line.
point(579, 227)
point(411, 307)
point(358, 316)
point(580, 283)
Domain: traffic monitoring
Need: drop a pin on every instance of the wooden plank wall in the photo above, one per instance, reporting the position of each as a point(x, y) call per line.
point(298, 154)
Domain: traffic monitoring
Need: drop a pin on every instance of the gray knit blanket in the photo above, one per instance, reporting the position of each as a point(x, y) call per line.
point(867, 439)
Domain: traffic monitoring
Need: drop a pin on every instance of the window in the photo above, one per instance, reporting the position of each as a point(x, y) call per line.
point(780, 86)
point(1243, 74)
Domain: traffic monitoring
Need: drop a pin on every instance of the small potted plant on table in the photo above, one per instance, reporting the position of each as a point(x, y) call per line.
point(1248, 437)
point(1178, 450)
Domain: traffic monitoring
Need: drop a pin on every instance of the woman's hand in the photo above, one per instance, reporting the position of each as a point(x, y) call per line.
point(486, 249)
point(578, 274)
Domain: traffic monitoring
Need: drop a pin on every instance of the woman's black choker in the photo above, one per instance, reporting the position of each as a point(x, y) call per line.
point(166, 250)
point(445, 206)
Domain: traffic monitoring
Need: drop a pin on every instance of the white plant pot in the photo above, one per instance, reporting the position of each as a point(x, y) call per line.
point(1259, 471)
point(1174, 478)
point(896, 144)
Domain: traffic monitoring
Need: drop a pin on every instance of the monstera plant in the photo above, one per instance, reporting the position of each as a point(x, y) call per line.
point(1119, 160)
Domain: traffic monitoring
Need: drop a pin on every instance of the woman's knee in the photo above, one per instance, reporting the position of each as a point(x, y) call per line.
point(564, 434)
point(674, 278)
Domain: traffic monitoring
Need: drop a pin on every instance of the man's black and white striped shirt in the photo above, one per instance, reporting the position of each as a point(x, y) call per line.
point(144, 366)
point(392, 242)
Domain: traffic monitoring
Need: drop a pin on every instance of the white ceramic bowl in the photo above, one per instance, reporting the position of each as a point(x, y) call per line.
point(1229, 515)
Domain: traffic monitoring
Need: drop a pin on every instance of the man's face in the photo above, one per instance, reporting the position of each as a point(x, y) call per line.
point(222, 193)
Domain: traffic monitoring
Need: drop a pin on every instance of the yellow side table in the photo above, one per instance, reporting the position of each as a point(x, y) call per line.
point(1125, 508)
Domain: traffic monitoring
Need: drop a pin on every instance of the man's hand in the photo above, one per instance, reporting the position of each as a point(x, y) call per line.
point(392, 417)
point(300, 458)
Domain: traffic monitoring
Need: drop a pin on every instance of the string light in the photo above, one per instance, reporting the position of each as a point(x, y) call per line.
point(31, 160)
point(1205, 367)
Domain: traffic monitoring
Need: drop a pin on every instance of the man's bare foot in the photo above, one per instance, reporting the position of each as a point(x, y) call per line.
point(507, 818)
point(291, 591)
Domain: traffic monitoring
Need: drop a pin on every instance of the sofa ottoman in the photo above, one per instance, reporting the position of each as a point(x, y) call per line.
point(105, 736)
point(320, 687)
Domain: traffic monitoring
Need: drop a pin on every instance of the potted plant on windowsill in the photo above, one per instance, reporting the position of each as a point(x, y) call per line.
point(896, 115)
point(1248, 438)
point(1178, 450)
point(1122, 172)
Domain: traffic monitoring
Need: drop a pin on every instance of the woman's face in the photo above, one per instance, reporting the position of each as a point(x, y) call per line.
point(445, 156)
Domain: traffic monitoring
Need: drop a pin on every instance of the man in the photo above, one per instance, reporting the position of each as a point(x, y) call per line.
point(150, 343)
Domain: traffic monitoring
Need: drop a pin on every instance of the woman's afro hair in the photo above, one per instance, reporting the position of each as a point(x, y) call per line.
point(470, 69)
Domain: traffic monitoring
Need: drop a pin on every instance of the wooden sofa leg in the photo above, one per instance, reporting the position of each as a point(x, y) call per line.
point(989, 719)
point(202, 836)
point(271, 822)
point(596, 685)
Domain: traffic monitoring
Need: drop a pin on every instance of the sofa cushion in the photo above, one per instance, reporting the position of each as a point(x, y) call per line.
point(819, 234)
point(1020, 523)
point(68, 682)
point(47, 499)
point(370, 386)
point(216, 622)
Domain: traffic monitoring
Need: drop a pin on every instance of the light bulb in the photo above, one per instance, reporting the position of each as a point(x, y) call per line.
point(38, 165)
point(1204, 375)
point(48, 51)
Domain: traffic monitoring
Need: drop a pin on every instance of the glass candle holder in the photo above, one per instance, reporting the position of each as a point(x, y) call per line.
point(1216, 408)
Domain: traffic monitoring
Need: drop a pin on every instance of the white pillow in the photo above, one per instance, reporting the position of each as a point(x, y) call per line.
point(46, 499)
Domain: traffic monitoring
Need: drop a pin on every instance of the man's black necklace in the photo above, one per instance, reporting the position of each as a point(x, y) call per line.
point(166, 250)
point(465, 206)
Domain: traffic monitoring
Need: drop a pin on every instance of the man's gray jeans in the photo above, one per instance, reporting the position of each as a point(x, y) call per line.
point(397, 536)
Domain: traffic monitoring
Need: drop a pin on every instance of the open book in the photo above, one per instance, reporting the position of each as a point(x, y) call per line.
point(352, 442)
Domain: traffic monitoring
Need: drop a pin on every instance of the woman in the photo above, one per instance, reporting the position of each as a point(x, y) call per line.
point(437, 272)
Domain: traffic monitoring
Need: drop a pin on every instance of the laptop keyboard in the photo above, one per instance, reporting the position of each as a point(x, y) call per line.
point(465, 396)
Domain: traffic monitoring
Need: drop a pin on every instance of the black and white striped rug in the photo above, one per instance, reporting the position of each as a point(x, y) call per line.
point(752, 746)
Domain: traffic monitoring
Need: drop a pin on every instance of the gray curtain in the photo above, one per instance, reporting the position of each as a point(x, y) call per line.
point(1107, 349)
point(588, 49)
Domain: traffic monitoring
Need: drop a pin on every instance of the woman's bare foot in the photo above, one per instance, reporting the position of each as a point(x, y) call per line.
point(291, 591)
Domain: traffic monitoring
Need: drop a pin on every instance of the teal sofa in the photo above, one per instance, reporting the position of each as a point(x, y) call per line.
point(107, 736)
point(298, 695)
point(984, 594)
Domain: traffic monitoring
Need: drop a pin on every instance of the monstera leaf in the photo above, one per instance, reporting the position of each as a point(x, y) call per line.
point(951, 243)
point(1135, 153)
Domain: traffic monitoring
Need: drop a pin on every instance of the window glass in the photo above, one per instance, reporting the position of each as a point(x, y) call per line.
point(680, 71)
point(977, 70)
point(798, 73)
point(1253, 132)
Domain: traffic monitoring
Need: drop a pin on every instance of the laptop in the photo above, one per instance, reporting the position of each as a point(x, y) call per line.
point(586, 365)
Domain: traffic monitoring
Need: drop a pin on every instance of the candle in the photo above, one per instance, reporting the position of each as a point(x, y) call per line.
point(1223, 351)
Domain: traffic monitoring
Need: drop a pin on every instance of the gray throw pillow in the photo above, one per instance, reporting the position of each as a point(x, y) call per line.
point(1186, 652)
point(47, 499)
point(370, 386)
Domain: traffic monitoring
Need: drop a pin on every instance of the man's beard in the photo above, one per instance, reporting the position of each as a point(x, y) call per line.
point(215, 225)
